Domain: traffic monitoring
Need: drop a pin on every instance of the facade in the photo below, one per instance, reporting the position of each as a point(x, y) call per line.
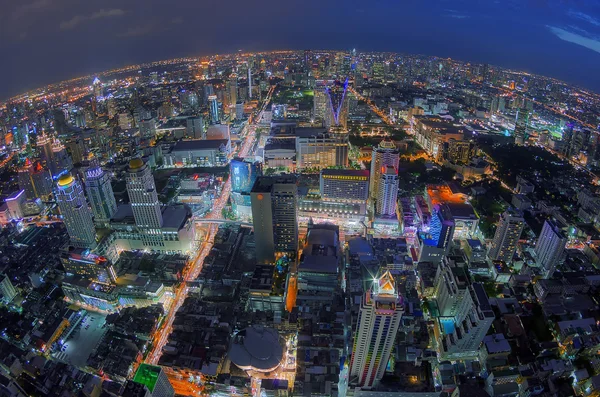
point(521, 126)
point(274, 216)
point(155, 379)
point(76, 214)
point(213, 108)
point(383, 155)
point(460, 152)
point(35, 179)
point(200, 153)
point(44, 146)
point(15, 203)
point(434, 134)
point(82, 262)
point(380, 314)
point(550, 247)
point(100, 193)
point(507, 236)
point(7, 290)
point(337, 107)
point(195, 128)
point(387, 195)
point(344, 185)
point(322, 151)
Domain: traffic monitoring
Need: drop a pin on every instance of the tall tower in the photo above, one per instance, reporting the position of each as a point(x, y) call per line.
point(75, 211)
point(507, 236)
point(44, 144)
point(274, 216)
point(380, 313)
point(521, 126)
point(143, 197)
point(100, 193)
point(383, 155)
point(232, 90)
point(337, 110)
point(213, 107)
point(249, 82)
point(550, 247)
point(387, 194)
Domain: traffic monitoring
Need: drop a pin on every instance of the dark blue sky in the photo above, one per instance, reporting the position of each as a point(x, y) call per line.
point(45, 41)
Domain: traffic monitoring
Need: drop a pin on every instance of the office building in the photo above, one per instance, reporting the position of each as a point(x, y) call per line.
point(274, 216)
point(243, 174)
point(321, 151)
point(61, 160)
point(436, 238)
point(388, 192)
point(344, 185)
point(383, 155)
point(381, 310)
point(213, 108)
point(44, 146)
point(35, 179)
point(195, 128)
point(15, 203)
point(460, 152)
point(521, 122)
point(76, 214)
point(232, 90)
point(550, 247)
point(465, 314)
point(337, 110)
point(155, 379)
point(434, 134)
point(507, 236)
point(199, 153)
point(84, 263)
point(100, 194)
point(143, 196)
point(7, 290)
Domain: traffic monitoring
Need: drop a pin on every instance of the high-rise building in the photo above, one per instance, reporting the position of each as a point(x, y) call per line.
point(7, 290)
point(61, 161)
point(387, 195)
point(84, 263)
point(274, 216)
point(465, 314)
point(195, 128)
point(507, 236)
point(322, 151)
point(232, 90)
point(155, 379)
point(344, 185)
point(337, 110)
point(383, 155)
point(521, 122)
point(380, 314)
point(15, 203)
point(550, 247)
point(97, 85)
point(35, 179)
point(44, 144)
point(244, 174)
point(213, 107)
point(100, 193)
point(143, 197)
point(76, 214)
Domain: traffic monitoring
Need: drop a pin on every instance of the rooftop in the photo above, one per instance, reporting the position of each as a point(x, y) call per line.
point(199, 144)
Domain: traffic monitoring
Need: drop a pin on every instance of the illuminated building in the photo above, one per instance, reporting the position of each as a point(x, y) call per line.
point(61, 161)
point(387, 195)
point(243, 175)
point(257, 350)
point(464, 217)
point(44, 144)
point(35, 179)
point(520, 131)
point(321, 151)
point(232, 90)
point(436, 238)
point(507, 236)
point(434, 134)
point(460, 152)
point(337, 110)
point(143, 197)
point(199, 153)
point(82, 262)
point(213, 107)
point(218, 132)
point(15, 203)
point(274, 216)
point(465, 314)
point(100, 193)
point(195, 128)
point(7, 290)
point(550, 247)
point(97, 86)
point(386, 154)
point(381, 310)
point(344, 185)
point(320, 104)
point(75, 212)
point(155, 379)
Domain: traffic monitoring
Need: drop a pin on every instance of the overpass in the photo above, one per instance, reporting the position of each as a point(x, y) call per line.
point(221, 221)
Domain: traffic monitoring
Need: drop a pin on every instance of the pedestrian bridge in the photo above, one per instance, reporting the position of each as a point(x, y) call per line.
point(221, 221)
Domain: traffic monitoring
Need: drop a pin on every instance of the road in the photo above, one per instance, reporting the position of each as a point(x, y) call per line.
point(373, 107)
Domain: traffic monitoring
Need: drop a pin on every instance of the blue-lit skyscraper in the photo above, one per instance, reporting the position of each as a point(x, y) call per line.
point(213, 107)
point(337, 110)
point(100, 194)
point(243, 175)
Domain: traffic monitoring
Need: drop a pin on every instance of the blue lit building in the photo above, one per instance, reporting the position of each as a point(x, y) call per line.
point(337, 109)
point(243, 175)
point(213, 107)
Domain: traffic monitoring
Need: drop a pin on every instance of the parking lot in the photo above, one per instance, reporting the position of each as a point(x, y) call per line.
point(82, 340)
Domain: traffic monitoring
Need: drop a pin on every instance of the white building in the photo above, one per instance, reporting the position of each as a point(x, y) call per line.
point(388, 191)
point(76, 214)
point(507, 236)
point(550, 248)
point(380, 313)
point(100, 193)
point(383, 155)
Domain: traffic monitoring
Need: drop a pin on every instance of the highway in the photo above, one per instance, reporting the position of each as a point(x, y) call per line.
point(373, 107)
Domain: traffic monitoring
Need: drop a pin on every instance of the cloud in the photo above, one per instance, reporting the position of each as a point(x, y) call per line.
point(584, 17)
point(25, 9)
point(455, 14)
point(79, 19)
point(138, 31)
point(587, 42)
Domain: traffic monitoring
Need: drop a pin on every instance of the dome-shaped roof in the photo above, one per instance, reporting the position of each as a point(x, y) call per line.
point(256, 348)
point(65, 180)
point(136, 163)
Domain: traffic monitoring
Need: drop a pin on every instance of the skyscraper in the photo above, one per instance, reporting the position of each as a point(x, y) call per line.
point(243, 174)
point(387, 195)
point(143, 197)
point(35, 179)
point(337, 110)
point(100, 194)
point(155, 379)
point(7, 290)
point(76, 214)
point(232, 90)
point(507, 236)
point(380, 313)
point(383, 155)
point(521, 126)
point(550, 247)
point(44, 144)
point(274, 216)
point(213, 106)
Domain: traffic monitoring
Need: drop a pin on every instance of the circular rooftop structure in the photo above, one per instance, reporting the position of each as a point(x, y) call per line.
point(65, 180)
point(257, 349)
point(136, 164)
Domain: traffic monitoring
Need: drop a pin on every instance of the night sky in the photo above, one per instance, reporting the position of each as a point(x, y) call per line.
point(46, 41)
